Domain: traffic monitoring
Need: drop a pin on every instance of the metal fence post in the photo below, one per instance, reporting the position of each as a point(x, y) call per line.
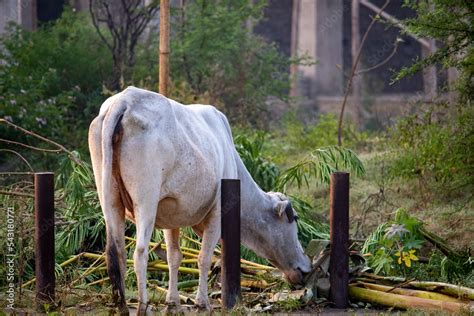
point(44, 237)
point(339, 221)
point(230, 233)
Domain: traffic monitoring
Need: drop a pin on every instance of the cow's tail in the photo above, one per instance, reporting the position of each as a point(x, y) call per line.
point(112, 207)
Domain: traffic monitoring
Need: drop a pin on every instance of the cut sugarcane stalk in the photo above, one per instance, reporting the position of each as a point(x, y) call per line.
point(403, 301)
point(184, 299)
point(408, 292)
point(255, 284)
point(445, 288)
point(187, 284)
point(65, 263)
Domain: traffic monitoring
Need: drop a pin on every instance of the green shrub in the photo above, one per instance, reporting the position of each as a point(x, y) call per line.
point(321, 133)
point(263, 171)
point(51, 79)
point(437, 146)
point(450, 24)
point(216, 54)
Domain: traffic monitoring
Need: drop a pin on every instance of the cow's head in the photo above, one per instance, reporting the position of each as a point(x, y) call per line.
point(275, 238)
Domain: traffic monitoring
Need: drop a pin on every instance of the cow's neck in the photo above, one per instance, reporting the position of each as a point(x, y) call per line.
point(254, 205)
point(253, 198)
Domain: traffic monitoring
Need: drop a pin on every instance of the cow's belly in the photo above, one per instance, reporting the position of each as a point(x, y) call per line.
point(171, 214)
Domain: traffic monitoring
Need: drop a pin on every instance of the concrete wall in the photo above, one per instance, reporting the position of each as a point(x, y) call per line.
point(329, 76)
point(22, 12)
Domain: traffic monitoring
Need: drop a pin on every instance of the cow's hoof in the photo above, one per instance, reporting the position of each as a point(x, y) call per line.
point(123, 309)
point(172, 309)
point(204, 307)
point(143, 309)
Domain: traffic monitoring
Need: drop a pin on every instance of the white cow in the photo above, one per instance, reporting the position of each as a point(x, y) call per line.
point(159, 163)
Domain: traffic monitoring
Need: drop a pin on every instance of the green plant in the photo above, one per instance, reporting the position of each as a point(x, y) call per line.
point(450, 23)
point(438, 147)
point(289, 305)
point(392, 247)
point(321, 133)
point(263, 171)
point(319, 164)
point(216, 54)
point(51, 79)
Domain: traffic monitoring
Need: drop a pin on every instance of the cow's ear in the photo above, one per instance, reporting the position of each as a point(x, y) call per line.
point(280, 208)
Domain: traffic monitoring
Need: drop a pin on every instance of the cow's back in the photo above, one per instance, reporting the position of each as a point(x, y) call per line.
point(182, 151)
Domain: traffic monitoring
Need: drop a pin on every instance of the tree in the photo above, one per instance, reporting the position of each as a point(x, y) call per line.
point(450, 24)
point(125, 20)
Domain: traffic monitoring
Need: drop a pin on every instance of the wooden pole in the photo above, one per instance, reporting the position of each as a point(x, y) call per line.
point(230, 235)
point(339, 222)
point(164, 47)
point(44, 238)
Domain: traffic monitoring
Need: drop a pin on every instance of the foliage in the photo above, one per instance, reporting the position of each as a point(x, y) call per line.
point(48, 81)
point(308, 228)
point(263, 171)
point(450, 23)
point(216, 54)
point(320, 134)
point(319, 164)
point(392, 246)
point(438, 147)
point(81, 209)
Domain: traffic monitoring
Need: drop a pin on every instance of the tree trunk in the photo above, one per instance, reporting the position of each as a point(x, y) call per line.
point(294, 47)
point(430, 80)
point(355, 47)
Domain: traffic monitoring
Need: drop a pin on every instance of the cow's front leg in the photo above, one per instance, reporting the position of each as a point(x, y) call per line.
point(174, 257)
point(145, 221)
point(211, 235)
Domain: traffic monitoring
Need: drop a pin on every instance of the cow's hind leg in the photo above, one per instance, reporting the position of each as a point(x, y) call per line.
point(114, 215)
point(174, 257)
point(211, 235)
point(145, 216)
point(115, 252)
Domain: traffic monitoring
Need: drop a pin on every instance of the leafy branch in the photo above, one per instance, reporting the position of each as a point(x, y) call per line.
point(319, 164)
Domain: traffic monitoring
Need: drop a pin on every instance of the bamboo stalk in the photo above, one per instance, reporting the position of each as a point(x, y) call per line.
point(185, 251)
point(180, 269)
point(403, 301)
point(65, 263)
point(440, 243)
point(164, 47)
point(184, 299)
point(445, 288)
point(382, 278)
point(195, 252)
point(187, 284)
point(255, 284)
point(98, 281)
point(408, 292)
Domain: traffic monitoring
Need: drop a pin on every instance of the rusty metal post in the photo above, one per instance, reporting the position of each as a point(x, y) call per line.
point(44, 237)
point(339, 221)
point(230, 234)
